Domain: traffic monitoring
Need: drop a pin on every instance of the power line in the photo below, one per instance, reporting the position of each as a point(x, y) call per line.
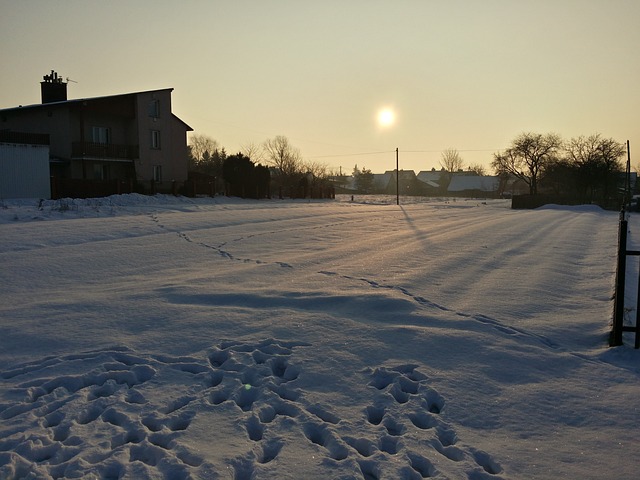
point(306, 140)
point(457, 150)
point(343, 146)
point(351, 154)
point(401, 151)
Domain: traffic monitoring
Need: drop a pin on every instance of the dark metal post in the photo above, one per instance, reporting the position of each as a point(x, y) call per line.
point(627, 187)
point(618, 306)
point(397, 180)
point(637, 341)
point(629, 192)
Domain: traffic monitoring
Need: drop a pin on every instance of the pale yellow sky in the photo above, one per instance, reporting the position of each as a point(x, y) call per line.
point(469, 75)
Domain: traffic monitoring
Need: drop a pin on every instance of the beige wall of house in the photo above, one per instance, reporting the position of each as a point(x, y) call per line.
point(160, 151)
point(179, 149)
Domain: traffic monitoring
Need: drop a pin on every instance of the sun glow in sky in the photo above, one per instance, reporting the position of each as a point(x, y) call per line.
point(386, 117)
point(464, 74)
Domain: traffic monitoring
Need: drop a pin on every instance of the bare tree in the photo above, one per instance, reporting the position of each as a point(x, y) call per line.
point(283, 156)
point(596, 161)
point(200, 144)
point(478, 169)
point(320, 171)
point(254, 151)
point(527, 157)
point(451, 160)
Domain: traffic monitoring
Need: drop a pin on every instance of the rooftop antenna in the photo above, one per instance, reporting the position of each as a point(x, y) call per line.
point(69, 80)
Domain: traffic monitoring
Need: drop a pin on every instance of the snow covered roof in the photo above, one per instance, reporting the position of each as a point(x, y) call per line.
point(429, 176)
point(381, 180)
point(403, 174)
point(460, 183)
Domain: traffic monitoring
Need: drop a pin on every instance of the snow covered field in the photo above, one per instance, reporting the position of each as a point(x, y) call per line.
point(172, 338)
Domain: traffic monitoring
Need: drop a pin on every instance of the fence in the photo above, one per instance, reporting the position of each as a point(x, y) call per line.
point(78, 188)
point(621, 274)
point(535, 201)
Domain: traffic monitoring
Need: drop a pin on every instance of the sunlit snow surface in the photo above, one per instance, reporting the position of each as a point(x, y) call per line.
point(166, 337)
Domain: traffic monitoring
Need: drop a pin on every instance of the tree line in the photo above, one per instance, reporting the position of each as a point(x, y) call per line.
point(586, 168)
point(257, 170)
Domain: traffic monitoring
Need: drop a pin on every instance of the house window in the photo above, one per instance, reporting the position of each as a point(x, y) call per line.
point(101, 172)
point(154, 108)
point(100, 135)
point(155, 139)
point(157, 173)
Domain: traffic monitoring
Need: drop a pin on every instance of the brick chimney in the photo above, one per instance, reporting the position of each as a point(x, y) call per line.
point(53, 88)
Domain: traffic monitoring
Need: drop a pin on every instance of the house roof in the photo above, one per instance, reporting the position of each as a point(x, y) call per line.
point(431, 183)
point(79, 100)
point(460, 183)
point(430, 177)
point(189, 129)
point(74, 101)
point(404, 174)
point(381, 180)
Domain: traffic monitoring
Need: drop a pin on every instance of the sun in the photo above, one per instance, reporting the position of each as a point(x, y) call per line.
point(386, 117)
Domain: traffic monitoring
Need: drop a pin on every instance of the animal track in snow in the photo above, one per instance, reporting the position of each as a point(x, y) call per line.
point(506, 329)
point(420, 300)
point(219, 249)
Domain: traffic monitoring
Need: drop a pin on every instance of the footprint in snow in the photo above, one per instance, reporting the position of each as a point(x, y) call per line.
point(406, 414)
point(141, 410)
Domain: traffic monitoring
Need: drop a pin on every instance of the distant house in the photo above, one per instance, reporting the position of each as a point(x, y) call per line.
point(473, 185)
point(431, 177)
point(131, 138)
point(381, 182)
point(432, 181)
point(406, 183)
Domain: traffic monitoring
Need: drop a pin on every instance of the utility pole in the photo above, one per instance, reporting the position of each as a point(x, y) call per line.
point(397, 180)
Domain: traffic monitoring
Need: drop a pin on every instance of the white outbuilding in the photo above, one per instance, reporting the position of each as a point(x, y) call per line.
point(24, 166)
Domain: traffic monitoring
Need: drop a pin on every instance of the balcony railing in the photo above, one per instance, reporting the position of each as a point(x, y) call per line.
point(106, 151)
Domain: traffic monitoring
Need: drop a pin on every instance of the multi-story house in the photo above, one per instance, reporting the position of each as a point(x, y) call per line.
point(132, 137)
